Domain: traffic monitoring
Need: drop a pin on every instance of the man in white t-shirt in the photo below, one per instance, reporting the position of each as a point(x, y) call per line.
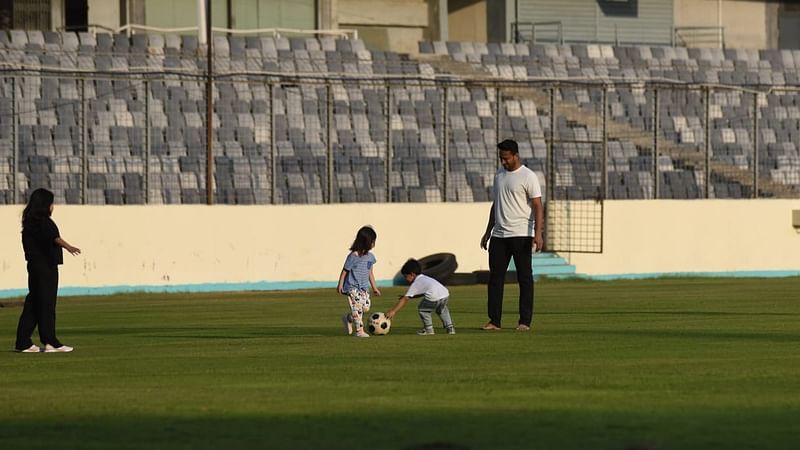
point(434, 298)
point(515, 230)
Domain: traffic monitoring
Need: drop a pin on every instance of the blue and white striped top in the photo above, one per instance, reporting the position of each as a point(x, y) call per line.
point(358, 268)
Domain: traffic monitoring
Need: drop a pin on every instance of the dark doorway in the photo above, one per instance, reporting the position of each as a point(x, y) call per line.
point(789, 25)
point(76, 15)
point(6, 14)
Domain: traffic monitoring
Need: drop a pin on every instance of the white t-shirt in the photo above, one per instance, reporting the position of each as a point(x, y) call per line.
point(513, 213)
point(432, 289)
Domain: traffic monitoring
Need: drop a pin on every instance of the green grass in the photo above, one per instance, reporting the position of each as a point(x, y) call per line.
point(666, 364)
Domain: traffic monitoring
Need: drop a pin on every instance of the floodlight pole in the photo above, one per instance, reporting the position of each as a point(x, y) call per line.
point(209, 110)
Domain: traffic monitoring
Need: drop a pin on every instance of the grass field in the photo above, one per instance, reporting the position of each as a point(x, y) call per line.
point(656, 364)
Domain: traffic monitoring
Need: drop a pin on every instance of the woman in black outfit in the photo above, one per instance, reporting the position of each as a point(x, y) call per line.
point(42, 244)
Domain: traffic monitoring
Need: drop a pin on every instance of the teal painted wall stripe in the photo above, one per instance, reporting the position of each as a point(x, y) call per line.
point(70, 291)
point(292, 285)
point(645, 276)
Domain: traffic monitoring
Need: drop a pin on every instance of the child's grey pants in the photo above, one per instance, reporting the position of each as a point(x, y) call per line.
point(425, 309)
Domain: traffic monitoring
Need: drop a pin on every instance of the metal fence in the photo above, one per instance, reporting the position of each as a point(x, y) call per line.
point(142, 139)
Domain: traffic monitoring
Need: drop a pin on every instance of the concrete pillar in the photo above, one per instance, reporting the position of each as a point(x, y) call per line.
point(327, 15)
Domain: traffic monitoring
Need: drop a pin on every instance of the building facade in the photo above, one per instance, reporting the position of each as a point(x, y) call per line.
point(398, 25)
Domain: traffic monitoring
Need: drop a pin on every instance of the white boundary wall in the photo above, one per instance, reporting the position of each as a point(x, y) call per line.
point(218, 245)
point(691, 236)
point(188, 244)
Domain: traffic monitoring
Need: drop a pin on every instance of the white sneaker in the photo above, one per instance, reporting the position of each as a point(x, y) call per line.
point(362, 334)
point(426, 332)
point(32, 349)
point(348, 327)
point(63, 349)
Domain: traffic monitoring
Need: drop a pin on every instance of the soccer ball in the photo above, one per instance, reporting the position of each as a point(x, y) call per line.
point(379, 324)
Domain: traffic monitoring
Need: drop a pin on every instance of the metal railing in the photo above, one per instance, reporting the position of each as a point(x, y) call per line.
point(92, 28)
point(342, 33)
point(552, 32)
point(698, 37)
point(419, 140)
point(533, 32)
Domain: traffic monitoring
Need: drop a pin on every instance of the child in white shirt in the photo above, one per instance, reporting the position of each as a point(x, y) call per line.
point(435, 298)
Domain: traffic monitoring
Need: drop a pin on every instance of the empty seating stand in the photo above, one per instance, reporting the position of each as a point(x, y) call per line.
point(113, 135)
point(681, 107)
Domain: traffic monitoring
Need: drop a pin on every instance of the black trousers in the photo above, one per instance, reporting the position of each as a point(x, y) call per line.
point(40, 306)
point(501, 250)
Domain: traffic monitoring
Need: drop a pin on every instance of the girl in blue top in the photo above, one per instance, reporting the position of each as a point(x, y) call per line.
point(356, 279)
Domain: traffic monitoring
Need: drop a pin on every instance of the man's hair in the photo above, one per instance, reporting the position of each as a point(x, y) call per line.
point(411, 266)
point(509, 145)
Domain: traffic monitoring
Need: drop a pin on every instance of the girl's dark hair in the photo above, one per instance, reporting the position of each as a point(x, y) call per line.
point(364, 241)
point(38, 207)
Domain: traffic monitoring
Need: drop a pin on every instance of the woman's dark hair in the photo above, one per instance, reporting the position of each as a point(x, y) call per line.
point(411, 266)
point(364, 241)
point(38, 207)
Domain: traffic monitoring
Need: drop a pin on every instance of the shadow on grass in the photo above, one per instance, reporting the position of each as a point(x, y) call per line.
point(447, 430)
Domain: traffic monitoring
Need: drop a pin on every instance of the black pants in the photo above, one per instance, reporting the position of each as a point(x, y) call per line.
point(40, 306)
point(501, 250)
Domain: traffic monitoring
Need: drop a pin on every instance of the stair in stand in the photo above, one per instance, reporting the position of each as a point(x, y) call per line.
point(544, 265)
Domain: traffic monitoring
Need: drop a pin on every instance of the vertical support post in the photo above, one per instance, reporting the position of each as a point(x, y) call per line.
point(202, 31)
point(146, 141)
point(273, 160)
point(84, 138)
point(389, 149)
point(498, 108)
point(209, 109)
point(443, 21)
point(656, 128)
point(15, 139)
point(604, 181)
point(756, 194)
point(708, 141)
point(328, 143)
point(445, 150)
point(551, 163)
point(498, 105)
